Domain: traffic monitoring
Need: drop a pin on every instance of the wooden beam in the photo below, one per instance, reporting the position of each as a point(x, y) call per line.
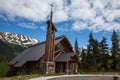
point(67, 68)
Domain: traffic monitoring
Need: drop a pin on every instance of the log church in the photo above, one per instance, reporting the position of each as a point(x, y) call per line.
point(55, 55)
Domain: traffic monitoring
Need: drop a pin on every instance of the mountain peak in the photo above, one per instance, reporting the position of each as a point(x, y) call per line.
point(17, 39)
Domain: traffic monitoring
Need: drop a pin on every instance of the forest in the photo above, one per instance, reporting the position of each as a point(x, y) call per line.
point(98, 57)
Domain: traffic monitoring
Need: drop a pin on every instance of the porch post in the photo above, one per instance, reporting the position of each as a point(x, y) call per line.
point(61, 68)
point(67, 68)
point(76, 69)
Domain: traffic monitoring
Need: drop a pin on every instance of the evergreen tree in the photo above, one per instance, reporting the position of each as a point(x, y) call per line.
point(104, 54)
point(83, 60)
point(115, 50)
point(90, 60)
point(94, 48)
point(96, 54)
point(76, 47)
point(104, 45)
point(87, 63)
point(83, 55)
point(119, 55)
point(92, 51)
point(91, 40)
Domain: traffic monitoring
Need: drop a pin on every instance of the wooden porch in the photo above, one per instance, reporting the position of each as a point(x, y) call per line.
point(67, 63)
point(66, 67)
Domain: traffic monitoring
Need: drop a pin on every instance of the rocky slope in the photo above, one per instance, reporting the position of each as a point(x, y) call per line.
point(17, 39)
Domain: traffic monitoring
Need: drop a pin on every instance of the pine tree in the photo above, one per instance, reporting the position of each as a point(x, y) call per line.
point(83, 60)
point(119, 55)
point(91, 40)
point(76, 47)
point(104, 54)
point(94, 48)
point(115, 50)
point(83, 55)
point(104, 45)
point(90, 60)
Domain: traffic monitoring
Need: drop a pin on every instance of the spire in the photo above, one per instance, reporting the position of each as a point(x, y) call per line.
point(50, 38)
point(51, 15)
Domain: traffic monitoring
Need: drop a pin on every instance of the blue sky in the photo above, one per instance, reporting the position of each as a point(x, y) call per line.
point(73, 18)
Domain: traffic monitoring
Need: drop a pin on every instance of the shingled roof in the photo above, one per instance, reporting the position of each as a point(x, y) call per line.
point(64, 57)
point(32, 53)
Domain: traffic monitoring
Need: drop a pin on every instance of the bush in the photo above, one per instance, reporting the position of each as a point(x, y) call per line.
point(3, 66)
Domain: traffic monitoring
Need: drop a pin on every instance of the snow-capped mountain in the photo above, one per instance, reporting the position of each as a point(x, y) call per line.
point(17, 39)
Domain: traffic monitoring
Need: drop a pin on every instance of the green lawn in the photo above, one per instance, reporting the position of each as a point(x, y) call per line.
point(26, 77)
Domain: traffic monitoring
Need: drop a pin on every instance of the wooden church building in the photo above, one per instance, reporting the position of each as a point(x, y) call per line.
point(55, 55)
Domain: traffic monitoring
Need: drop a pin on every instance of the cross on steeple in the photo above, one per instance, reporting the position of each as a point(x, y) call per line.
point(51, 6)
point(51, 15)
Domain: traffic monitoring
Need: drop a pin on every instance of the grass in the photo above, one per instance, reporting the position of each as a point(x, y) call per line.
point(26, 77)
point(21, 77)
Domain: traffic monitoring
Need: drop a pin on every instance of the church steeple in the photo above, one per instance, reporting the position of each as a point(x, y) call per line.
point(50, 39)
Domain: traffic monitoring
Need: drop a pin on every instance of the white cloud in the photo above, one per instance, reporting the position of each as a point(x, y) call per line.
point(115, 4)
point(65, 27)
point(111, 14)
point(84, 47)
point(33, 10)
point(3, 18)
point(84, 14)
point(79, 25)
point(99, 4)
point(99, 14)
point(28, 25)
point(43, 28)
point(60, 16)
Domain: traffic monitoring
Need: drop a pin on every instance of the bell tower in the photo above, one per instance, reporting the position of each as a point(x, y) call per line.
point(50, 44)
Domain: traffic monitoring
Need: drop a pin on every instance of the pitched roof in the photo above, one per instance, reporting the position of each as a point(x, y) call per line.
point(32, 53)
point(64, 57)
